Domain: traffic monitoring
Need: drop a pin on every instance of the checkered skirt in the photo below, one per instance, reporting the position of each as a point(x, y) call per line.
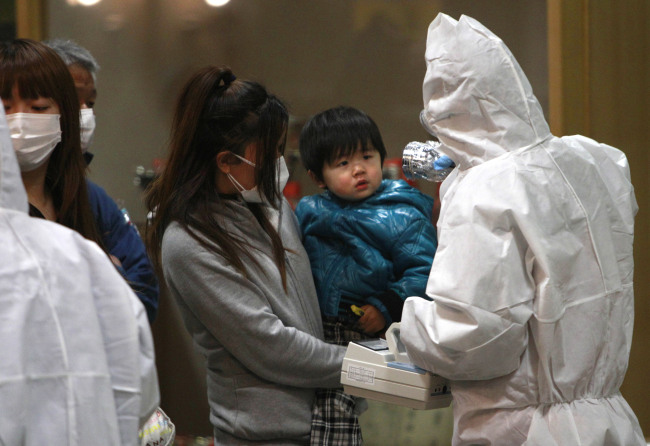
point(334, 413)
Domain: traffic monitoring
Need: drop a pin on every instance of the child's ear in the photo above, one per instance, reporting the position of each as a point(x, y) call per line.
point(319, 183)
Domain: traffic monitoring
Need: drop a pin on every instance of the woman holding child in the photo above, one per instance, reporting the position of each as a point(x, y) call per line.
point(229, 248)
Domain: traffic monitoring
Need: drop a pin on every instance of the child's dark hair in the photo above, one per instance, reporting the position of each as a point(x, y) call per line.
point(337, 132)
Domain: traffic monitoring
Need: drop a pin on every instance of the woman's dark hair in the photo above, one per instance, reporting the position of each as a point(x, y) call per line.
point(337, 132)
point(217, 113)
point(37, 71)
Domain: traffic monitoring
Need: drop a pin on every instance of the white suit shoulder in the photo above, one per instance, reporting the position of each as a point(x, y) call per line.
point(77, 318)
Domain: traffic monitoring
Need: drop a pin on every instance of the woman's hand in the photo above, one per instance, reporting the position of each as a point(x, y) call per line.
point(372, 320)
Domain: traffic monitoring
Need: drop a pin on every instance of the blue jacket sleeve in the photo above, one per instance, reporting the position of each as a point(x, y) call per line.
point(123, 241)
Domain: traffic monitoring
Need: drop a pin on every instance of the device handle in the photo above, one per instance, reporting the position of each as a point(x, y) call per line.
point(395, 345)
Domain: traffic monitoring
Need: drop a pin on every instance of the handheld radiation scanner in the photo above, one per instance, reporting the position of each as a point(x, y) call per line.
point(395, 344)
point(380, 369)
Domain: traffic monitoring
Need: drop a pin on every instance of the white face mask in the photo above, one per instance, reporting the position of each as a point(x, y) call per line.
point(87, 127)
point(33, 136)
point(253, 195)
point(425, 123)
point(283, 173)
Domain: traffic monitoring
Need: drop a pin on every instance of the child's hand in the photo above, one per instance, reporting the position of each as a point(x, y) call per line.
point(372, 321)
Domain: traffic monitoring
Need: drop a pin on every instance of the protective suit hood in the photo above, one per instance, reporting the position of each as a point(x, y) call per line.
point(12, 192)
point(469, 99)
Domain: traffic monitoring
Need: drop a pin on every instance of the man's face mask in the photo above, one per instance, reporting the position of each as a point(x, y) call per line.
point(87, 127)
point(425, 124)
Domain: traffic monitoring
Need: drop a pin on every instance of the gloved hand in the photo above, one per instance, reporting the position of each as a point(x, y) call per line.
point(443, 163)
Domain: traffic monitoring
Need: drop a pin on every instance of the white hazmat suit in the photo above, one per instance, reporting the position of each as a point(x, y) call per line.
point(77, 361)
point(532, 311)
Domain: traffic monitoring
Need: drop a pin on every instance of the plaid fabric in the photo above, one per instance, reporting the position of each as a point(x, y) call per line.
point(334, 417)
point(333, 420)
point(342, 330)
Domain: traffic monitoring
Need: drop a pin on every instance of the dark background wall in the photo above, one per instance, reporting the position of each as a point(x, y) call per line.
point(314, 54)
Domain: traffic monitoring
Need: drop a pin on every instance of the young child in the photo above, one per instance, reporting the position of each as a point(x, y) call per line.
point(370, 242)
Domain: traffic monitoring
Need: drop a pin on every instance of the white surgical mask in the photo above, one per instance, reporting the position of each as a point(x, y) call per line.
point(253, 195)
point(425, 123)
point(283, 173)
point(33, 136)
point(87, 127)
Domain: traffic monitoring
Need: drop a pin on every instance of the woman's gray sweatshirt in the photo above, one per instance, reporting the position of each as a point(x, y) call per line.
point(263, 346)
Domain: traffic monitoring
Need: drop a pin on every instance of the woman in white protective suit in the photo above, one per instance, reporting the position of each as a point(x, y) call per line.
point(532, 311)
point(77, 363)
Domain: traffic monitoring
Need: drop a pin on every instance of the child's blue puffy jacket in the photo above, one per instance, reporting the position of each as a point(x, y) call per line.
point(377, 251)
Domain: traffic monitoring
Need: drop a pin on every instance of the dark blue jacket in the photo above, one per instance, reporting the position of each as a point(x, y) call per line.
point(122, 240)
point(377, 251)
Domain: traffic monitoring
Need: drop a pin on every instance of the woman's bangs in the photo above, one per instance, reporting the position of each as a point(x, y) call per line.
point(32, 82)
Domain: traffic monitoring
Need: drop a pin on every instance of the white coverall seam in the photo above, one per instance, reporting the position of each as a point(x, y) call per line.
point(576, 400)
point(580, 302)
point(17, 378)
point(584, 212)
point(521, 89)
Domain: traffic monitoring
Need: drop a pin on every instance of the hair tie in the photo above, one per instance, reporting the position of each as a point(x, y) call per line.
point(227, 79)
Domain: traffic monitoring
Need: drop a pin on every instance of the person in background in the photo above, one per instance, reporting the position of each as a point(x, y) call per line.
point(229, 248)
point(43, 117)
point(370, 242)
point(83, 68)
point(119, 234)
point(532, 294)
point(77, 363)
